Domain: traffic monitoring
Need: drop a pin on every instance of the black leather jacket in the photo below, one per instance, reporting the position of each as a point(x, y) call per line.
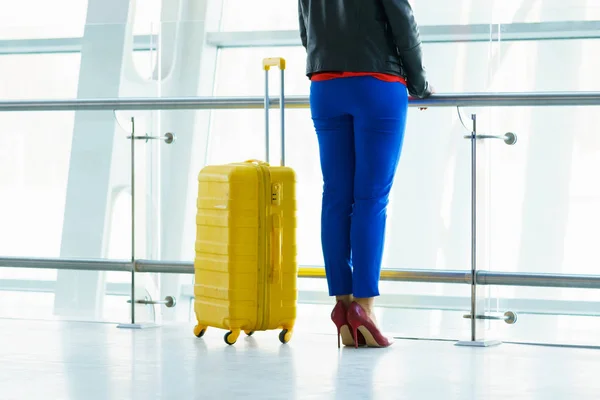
point(363, 36)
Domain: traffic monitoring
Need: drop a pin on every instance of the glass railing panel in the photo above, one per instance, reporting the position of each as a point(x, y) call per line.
point(545, 194)
point(53, 160)
point(506, 12)
point(546, 315)
point(543, 198)
point(262, 15)
point(63, 175)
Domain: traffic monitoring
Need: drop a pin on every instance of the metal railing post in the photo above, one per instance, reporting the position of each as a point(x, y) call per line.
point(132, 324)
point(132, 180)
point(475, 315)
point(167, 138)
point(474, 229)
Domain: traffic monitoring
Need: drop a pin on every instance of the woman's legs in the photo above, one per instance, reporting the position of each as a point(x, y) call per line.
point(360, 126)
point(335, 132)
point(379, 124)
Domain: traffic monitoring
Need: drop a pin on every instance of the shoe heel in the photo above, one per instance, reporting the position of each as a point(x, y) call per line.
point(355, 330)
point(338, 316)
point(357, 318)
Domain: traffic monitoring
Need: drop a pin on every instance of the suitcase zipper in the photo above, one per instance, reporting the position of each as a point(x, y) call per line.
point(261, 249)
point(264, 248)
point(265, 207)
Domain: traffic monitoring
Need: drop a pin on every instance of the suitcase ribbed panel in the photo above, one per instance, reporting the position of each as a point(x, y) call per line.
point(226, 279)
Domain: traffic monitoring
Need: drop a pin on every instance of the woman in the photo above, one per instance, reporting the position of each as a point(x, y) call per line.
point(362, 56)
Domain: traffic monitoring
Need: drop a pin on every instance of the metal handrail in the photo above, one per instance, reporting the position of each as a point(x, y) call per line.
point(533, 99)
point(525, 279)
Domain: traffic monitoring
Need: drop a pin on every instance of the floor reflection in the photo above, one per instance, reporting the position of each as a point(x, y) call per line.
point(98, 361)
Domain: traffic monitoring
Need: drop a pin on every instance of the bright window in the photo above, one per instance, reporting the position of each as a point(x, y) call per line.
point(36, 19)
point(34, 157)
point(259, 15)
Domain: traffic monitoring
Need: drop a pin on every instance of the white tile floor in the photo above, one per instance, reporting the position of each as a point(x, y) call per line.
point(69, 360)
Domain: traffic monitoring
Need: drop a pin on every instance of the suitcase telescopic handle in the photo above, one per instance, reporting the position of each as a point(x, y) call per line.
point(267, 64)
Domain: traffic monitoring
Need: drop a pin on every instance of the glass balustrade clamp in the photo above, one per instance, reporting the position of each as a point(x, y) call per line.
point(168, 138)
point(169, 301)
point(510, 317)
point(509, 138)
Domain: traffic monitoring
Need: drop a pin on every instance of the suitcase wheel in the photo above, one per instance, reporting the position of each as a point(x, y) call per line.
point(231, 337)
point(199, 331)
point(285, 336)
point(249, 333)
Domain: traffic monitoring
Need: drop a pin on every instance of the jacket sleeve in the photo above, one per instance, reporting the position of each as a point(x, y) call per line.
point(406, 36)
point(303, 35)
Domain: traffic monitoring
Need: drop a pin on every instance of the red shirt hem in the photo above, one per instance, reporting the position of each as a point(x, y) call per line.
point(324, 76)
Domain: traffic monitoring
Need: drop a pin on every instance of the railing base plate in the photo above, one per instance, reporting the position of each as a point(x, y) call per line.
point(138, 326)
point(479, 343)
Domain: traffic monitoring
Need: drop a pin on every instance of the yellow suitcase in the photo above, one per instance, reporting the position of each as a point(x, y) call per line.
point(245, 264)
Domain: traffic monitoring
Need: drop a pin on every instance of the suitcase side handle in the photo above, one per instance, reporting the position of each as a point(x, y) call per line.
point(267, 64)
point(276, 244)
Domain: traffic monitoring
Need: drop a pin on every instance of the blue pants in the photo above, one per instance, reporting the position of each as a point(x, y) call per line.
point(360, 123)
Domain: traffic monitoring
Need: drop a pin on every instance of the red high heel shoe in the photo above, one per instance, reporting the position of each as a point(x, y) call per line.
point(362, 324)
point(340, 319)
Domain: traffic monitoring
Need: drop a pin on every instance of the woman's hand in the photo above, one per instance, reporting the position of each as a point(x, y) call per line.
point(424, 108)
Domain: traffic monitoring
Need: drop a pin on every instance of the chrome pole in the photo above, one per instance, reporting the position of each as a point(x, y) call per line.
point(133, 220)
point(267, 106)
point(72, 264)
point(474, 229)
point(282, 107)
point(483, 278)
point(536, 99)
